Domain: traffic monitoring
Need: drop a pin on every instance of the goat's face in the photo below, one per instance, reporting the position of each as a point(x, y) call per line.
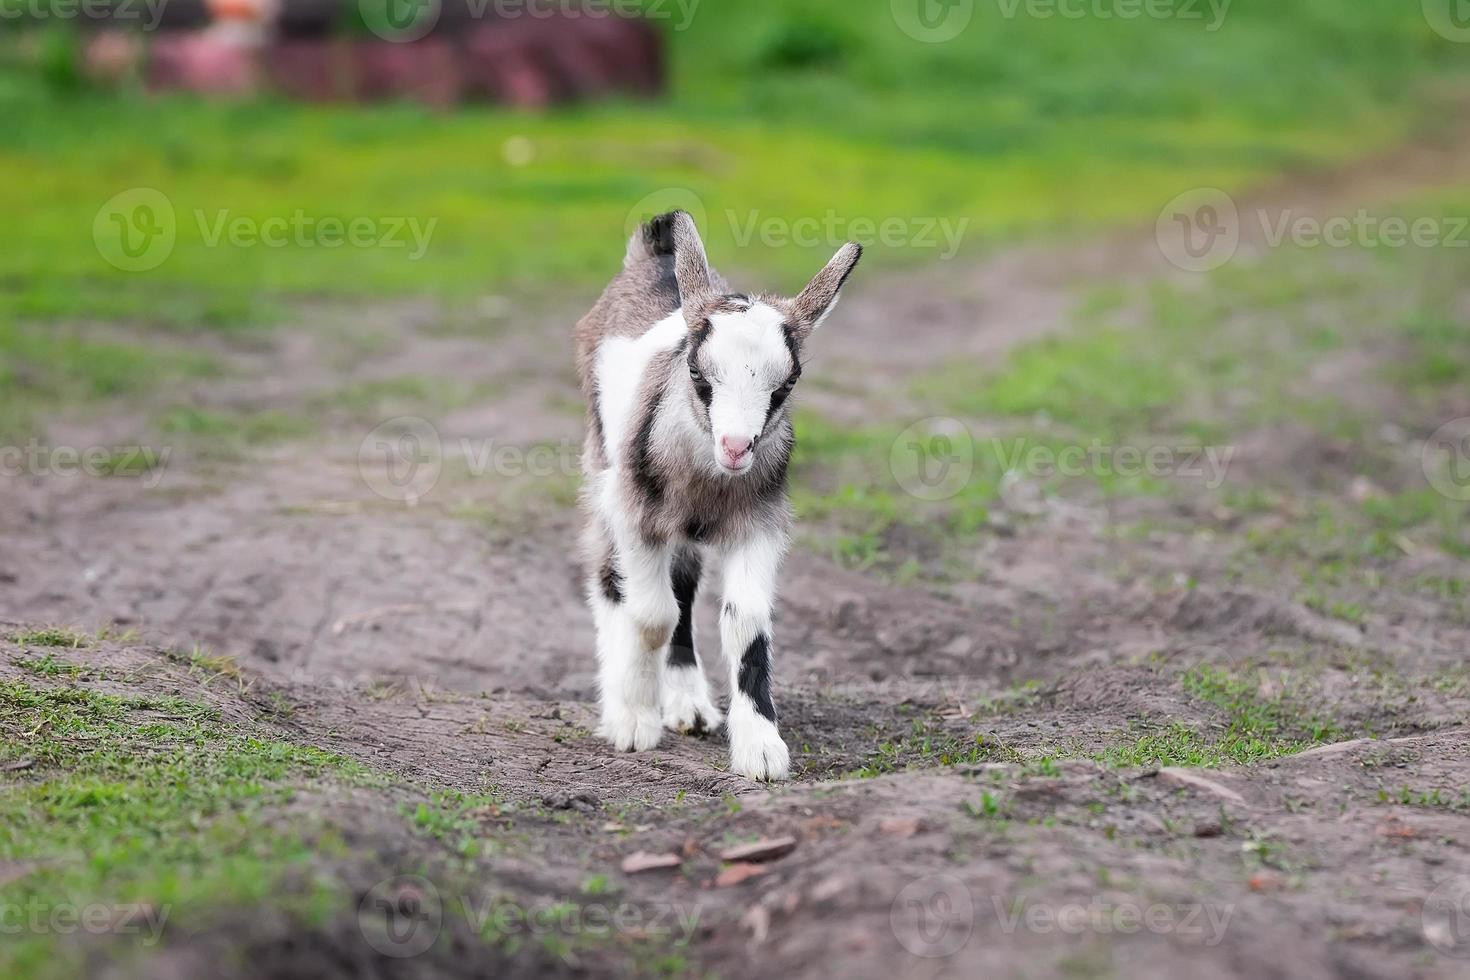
point(744, 355)
point(743, 364)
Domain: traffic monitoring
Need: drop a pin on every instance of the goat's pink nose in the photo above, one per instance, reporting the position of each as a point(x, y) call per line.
point(735, 447)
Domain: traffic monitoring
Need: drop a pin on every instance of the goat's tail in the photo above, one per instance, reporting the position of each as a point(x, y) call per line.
point(654, 238)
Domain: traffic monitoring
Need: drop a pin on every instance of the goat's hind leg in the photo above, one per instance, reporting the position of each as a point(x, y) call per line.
point(686, 702)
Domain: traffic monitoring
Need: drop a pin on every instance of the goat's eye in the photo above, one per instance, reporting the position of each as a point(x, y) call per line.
point(696, 374)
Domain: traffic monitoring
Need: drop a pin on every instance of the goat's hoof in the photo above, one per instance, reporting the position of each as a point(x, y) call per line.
point(686, 703)
point(632, 731)
point(690, 714)
point(757, 751)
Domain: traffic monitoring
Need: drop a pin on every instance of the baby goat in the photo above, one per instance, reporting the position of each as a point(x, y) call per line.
point(688, 439)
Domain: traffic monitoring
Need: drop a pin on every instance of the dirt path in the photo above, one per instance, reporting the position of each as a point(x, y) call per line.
point(446, 642)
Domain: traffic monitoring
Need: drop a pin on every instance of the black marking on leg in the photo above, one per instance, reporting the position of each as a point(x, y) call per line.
point(611, 580)
point(755, 676)
point(686, 569)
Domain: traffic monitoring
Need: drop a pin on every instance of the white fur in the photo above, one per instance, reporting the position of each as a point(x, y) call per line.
point(640, 694)
point(746, 359)
point(628, 679)
point(756, 748)
point(621, 362)
point(686, 700)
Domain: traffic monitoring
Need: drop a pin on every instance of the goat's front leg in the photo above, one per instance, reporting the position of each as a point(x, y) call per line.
point(756, 748)
point(634, 623)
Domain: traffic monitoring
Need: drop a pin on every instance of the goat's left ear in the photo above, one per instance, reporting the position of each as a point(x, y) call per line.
point(820, 295)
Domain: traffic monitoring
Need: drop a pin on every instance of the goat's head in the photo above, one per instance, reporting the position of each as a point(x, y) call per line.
point(745, 353)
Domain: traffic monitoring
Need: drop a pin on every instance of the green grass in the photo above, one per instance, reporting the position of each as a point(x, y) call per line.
point(1249, 726)
point(921, 748)
point(45, 366)
point(1249, 712)
point(51, 636)
point(49, 666)
point(1179, 745)
point(232, 431)
point(1436, 798)
point(1019, 125)
point(458, 819)
point(148, 802)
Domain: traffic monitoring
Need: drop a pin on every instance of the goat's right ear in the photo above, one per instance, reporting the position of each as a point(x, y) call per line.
point(820, 295)
point(691, 266)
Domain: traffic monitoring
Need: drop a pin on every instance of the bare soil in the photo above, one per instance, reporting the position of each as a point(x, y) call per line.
point(444, 641)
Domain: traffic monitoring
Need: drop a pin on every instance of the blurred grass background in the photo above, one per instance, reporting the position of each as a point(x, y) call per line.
point(1024, 126)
